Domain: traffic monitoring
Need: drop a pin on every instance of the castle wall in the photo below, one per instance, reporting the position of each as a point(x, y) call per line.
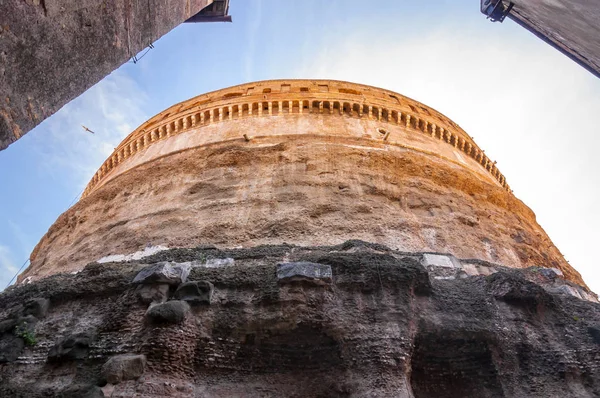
point(218, 169)
point(351, 243)
point(377, 323)
point(291, 97)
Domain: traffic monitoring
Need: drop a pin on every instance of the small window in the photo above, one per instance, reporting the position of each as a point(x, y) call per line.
point(304, 89)
point(232, 95)
point(198, 103)
point(266, 91)
point(396, 98)
point(412, 108)
point(349, 91)
point(381, 131)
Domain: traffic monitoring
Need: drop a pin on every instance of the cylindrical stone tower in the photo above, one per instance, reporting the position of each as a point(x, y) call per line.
point(307, 162)
point(325, 239)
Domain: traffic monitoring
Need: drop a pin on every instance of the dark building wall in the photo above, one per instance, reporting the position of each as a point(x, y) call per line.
point(53, 50)
point(572, 26)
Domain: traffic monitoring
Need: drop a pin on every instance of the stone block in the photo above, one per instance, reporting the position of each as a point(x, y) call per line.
point(548, 273)
point(38, 307)
point(571, 291)
point(170, 312)
point(438, 260)
point(164, 272)
point(153, 293)
point(138, 255)
point(444, 278)
point(199, 292)
point(483, 270)
point(470, 269)
point(218, 262)
point(304, 271)
point(72, 347)
point(124, 367)
point(557, 271)
point(588, 296)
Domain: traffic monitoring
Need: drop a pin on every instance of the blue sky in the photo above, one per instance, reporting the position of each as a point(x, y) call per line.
point(443, 53)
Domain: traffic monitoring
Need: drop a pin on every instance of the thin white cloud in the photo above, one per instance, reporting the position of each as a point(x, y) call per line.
point(531, 108)
point(24, 241)
point(68, 156)
point(7, 266)
point(112, 109)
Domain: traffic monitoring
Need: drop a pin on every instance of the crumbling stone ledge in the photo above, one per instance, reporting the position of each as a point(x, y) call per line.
point(386, 323)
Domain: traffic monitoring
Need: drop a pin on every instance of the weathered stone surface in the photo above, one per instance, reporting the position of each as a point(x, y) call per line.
point(163, 273)
point(123, 367)
point(7, 325)
point(550, 273)
point(218, 262)
point(516, 290)
point(594, 331)
point(199, 292)
point(170, 312)
point(297, 180)
point(153, 293)
point(27, 323)
point(37, 307)
point(439, 260)
point(570, 290)
point(341, 160)
point(73, 347)
point(52, 51)
point(11, 347)
point(470, 269)
point(82, 391)
point(384, 328)
point(303, 271)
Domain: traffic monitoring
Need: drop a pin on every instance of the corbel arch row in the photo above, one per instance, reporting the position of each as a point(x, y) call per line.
point(201, 117)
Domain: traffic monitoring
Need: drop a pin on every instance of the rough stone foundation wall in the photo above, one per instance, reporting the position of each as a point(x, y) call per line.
point(52, 51)
point(354, 320)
